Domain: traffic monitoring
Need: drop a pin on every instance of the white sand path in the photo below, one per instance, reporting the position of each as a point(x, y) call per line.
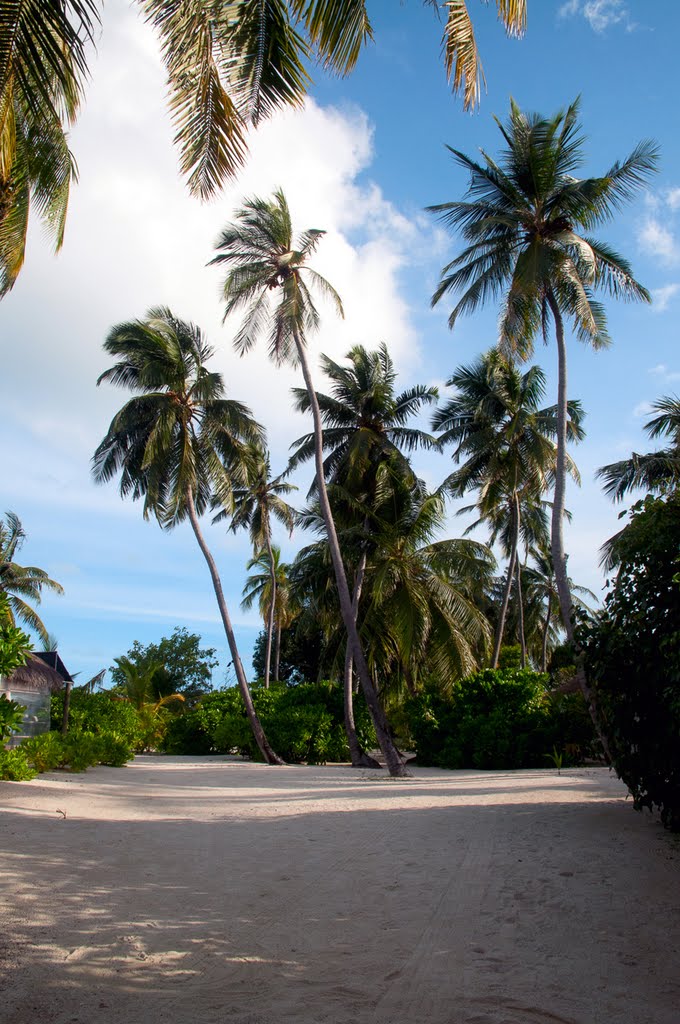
point(206, 890)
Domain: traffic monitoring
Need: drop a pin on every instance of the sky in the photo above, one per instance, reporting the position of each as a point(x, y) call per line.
point(362, 161)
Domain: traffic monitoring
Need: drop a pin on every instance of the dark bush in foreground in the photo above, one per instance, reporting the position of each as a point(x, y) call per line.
point(302, 723)
point(503, 718)
point(633, 657)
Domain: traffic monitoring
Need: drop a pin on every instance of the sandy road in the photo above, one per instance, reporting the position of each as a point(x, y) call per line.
point(206, 890)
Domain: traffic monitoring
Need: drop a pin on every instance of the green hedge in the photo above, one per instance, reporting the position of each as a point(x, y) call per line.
point(503, 718)
point(303, 723)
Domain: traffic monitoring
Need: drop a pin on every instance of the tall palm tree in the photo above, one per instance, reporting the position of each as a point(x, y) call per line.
point(365, 432)
point(525, 220)
point(655, 472)
point(504, 443)
point(178, 443)
point(269, 586)
point(42, 68)
point(20, 582)
point(263, 260)
point(253, 508)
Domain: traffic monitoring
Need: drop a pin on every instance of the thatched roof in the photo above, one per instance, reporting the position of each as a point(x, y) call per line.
point(43, 673)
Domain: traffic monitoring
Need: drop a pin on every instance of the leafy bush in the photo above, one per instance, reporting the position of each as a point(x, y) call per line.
point(503, 718)
point(98, 712)
point(15, 766)
point(11, 717)
point(302, 723)
point(632, 654)
point(44, 752)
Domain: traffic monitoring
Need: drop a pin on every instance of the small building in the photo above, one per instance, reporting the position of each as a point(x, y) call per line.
point(32, 685)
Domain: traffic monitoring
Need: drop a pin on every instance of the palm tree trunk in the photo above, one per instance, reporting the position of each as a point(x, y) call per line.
point(268, 754)
point(520, 611)
point(277, 653)
point(360, 759)
point(500, 629)
point(272, 607)
point(546, 630)
point(67, 708)
point(557, 536)
point(394, 762)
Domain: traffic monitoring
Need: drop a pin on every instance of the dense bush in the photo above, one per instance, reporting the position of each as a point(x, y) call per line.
point(99, 712)
point(77, 751)
point(302, 723)
point(503, 718)
point(15, 766)
point(11, 717)
point(632, 654)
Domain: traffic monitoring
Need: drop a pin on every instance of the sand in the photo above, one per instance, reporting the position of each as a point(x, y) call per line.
point(193, 890)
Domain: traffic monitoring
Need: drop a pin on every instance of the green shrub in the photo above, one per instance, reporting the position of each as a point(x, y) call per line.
point(44, 752)
point(302, 723)
point(502, 718)
point(98, 712)
point(632, 654)
point(15, 766)
point(11, 717)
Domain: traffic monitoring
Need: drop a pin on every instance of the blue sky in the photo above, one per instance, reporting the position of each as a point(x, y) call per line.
point(363, 160)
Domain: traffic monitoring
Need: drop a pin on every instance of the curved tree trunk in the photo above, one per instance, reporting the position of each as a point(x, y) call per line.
point(360, 759)
point(272, 607)
point(557, 535)
point(258, 732)
point(393, 760)
point(546, 630)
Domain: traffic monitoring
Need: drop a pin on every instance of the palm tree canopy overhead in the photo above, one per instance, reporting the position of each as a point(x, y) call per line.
point(42, 69)
point(657, 472)
point(267, 275)
point(179, 434)
point(21, 584)
point(526, 221)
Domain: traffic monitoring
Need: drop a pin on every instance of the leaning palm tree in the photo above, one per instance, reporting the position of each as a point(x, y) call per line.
point(22, 583)
point(525, 220)
point(178, 443)
point(504, 443)
point(264, 260)
point(656, 472)
point(366, 434)
point(253, 508)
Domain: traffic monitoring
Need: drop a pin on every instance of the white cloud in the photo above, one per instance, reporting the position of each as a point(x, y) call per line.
point(642, 409)
point(600, 14)
point(662, 371)
point(673, 198)
point(659, 241)
point(661, 297)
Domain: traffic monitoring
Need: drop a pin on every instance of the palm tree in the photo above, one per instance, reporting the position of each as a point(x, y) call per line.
point(655, 472)
point(270, 588)
point(264, 259)
point(541, 590)
point(505, 447)
point(423, 596)
point(18, 581)
point(253, 507)
point(524, 220)
point(178, 443)
point(42, 67)
point(365, 430)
